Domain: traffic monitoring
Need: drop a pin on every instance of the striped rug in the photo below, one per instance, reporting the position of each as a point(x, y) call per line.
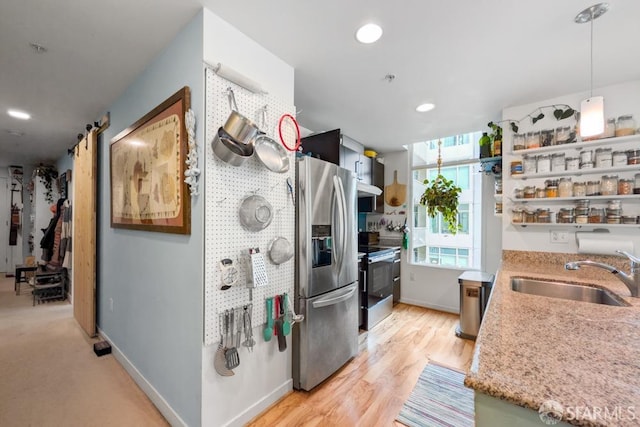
point(439, 399)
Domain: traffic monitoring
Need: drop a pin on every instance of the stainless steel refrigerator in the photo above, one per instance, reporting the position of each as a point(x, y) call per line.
point(326, 286)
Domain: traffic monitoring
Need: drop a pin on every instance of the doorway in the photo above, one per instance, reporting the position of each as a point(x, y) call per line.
point(5, 213)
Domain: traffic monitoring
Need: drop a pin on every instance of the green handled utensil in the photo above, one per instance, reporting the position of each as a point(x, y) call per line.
point(286, 326)
point(268, 330)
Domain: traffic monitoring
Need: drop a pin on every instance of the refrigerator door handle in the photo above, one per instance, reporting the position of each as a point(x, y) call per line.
point(344, 222)
point(340, 245)
point(334, 300)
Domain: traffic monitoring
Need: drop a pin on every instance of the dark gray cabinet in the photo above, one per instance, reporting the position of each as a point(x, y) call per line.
point(345, 152)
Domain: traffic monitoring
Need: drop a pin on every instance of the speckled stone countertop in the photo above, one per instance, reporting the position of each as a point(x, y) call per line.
point(531, 349)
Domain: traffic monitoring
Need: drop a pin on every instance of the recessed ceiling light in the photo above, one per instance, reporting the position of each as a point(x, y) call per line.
point(369, 33)
point(423, 108)
point(17, 114)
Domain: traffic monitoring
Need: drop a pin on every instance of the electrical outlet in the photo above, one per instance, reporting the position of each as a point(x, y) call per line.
point(111, 304)
point(559, 236)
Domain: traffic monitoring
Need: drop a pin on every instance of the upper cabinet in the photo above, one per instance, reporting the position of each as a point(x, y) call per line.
point(336, 148)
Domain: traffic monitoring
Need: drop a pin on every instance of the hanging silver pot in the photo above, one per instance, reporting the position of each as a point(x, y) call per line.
point(238, 126)
point(230, 151)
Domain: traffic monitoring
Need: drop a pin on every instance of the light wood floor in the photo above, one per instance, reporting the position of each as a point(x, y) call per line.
point(371, 389)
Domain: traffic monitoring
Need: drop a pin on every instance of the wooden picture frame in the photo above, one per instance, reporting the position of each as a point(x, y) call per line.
point(147, 165)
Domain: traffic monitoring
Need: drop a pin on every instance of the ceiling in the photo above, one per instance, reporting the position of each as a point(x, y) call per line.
point(470, 58)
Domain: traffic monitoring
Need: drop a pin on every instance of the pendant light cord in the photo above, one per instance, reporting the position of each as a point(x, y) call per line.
point(591, 55)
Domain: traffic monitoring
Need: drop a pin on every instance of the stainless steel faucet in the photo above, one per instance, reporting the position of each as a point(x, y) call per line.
point(631, 280)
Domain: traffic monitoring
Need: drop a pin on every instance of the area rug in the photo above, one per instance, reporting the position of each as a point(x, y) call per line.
point(439, 399)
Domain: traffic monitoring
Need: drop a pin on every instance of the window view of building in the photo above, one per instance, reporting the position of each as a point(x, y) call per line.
point(431, 242)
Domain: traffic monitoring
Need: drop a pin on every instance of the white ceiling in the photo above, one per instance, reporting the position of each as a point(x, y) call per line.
point(470, 57)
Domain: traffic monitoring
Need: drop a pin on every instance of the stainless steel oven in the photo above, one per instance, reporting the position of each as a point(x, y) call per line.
point(376, 292)
point(380, 273)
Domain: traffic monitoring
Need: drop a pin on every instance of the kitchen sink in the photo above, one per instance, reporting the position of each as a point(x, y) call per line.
point(565, 290)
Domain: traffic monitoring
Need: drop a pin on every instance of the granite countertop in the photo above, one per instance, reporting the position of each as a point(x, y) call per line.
point(531, 349)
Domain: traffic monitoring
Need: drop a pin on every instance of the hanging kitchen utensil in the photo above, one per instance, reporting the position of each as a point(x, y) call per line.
point(297, 128)
point(249, 342)
point(268, 330)
point(269, 152)
point(255, 213)
point(239, 327)
point(290, 191)
point(231, 354)
point(219, 361)
point(286, 324)
point(395, 194)
point(229, 150)
point(228, 274)
point(297, 318)
point(282, 340)
point(240, 128)
point(280, 249)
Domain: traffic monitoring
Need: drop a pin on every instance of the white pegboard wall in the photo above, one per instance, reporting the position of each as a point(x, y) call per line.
point(226, 186)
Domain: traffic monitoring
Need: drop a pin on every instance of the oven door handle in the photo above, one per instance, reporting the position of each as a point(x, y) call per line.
point(380, 259)
point(334, 300)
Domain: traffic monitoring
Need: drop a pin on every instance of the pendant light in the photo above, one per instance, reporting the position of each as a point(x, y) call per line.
point(592, 108)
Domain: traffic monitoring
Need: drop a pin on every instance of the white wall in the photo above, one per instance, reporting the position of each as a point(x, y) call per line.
point(265, 375)
point(437, 287)
point(618, 100)
point(155, 280)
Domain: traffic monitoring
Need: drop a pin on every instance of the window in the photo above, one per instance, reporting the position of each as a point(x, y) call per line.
point(431, 242)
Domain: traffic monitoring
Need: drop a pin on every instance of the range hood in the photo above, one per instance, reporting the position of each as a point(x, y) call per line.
point(366, 190)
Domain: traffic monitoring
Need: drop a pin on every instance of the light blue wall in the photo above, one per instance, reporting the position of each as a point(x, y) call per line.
point(156, 279)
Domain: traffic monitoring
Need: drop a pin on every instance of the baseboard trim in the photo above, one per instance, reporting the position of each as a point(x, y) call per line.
point(156, 398)
point(419, 303)
point(261, 405)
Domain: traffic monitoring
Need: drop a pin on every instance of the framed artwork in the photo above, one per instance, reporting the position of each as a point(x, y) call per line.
point(147, 162)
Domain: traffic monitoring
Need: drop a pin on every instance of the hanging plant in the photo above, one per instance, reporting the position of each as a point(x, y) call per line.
point(47, 175)
point(560, 112)
point(441, 196)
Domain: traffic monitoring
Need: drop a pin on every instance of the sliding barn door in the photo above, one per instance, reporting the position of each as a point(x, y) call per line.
point(84, 233)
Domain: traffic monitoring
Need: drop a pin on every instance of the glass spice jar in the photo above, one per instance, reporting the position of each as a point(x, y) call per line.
point(629, 219)
point(541, 193)
point(586, 156)
point(609, 185)
point(636, 184)
point(572, 163)
point(557, 162)
point(625, 125)
point(563, 135)
point(579, 189)
point(565, 187)
point(633, 157)
point(610, 128)
point(516, 167)
point(613, 219)
point(529, 192)
point(625, 187)
point(517, 215)
point(518, 142)
point(596, 215)
point(529, 164)
point(547, 138)
point(604, 157)
point(582, 219)
point(533, 140)
point(543, 216)
point(565, 216)
point(593, 188)
point(619, 158)
point(529, 216)
point(551, 187)
point(544, 164)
